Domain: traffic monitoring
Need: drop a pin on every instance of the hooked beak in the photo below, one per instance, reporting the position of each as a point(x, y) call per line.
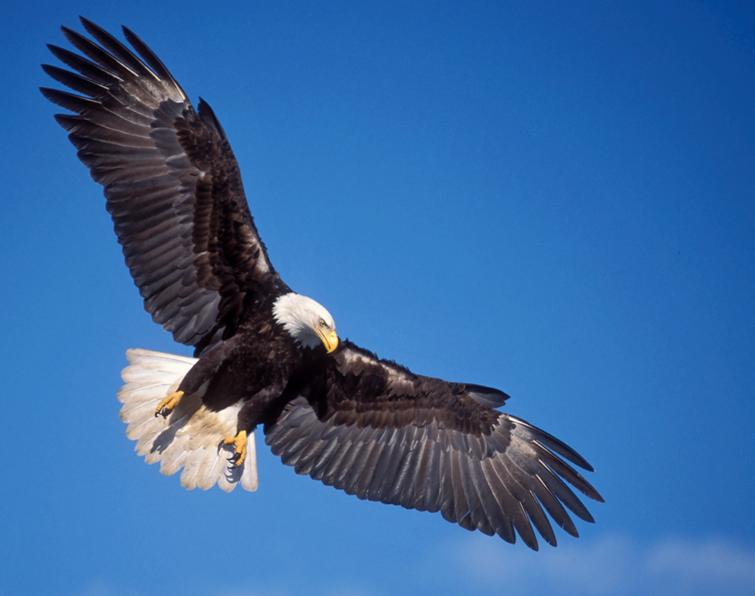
point(329, 340)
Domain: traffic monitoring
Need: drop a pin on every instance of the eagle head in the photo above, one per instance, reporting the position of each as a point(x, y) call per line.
point(306, 320)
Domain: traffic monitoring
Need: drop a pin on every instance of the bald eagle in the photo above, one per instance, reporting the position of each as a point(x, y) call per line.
point(265, 355)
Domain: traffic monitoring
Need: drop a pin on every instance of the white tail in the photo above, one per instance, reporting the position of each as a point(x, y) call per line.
point(190, 437)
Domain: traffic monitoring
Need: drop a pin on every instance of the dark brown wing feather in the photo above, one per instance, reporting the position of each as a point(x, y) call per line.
point(172, 185)
point(377, 431)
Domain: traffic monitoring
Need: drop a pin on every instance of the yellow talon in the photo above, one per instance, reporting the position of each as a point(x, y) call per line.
point(239, 447)
point(168, 404)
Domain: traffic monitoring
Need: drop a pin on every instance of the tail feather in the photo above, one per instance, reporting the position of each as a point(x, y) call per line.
point(189, 440)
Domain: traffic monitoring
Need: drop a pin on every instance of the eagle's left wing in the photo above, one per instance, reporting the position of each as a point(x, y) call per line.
point(172, 185)
point(380, 432)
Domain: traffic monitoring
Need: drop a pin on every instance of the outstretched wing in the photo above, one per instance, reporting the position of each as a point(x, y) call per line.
point(377, 431)
point(172, 185)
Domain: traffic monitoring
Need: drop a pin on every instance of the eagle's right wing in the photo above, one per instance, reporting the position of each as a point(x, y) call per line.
point(172, 185)
point(378, 431)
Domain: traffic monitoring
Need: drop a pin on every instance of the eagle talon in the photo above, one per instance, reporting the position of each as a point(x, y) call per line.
point(239, 448)
point(168, 404)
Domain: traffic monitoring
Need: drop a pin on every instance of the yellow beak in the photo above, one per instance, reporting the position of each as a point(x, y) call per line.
point(329, 340)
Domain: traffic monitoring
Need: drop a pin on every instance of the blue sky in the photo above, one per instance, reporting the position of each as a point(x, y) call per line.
point(557, 199)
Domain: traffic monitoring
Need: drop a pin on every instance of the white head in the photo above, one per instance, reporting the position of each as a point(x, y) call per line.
point(307, 321)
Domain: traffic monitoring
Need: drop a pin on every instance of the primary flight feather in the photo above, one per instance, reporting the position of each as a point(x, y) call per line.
point(265, 355)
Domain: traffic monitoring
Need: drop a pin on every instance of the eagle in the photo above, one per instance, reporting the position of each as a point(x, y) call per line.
point(265, 356)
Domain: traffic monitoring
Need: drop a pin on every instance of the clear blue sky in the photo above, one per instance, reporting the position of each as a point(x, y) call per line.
point(555, 199)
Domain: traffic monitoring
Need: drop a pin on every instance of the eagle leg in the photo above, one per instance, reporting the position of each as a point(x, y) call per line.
point(238, 442)
point(168, 404)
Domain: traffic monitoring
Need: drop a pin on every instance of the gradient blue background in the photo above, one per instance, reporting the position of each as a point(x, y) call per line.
point(557, 199)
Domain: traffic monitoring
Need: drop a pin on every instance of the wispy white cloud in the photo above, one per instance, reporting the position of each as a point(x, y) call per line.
point(713, 561)
point(611, 565)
